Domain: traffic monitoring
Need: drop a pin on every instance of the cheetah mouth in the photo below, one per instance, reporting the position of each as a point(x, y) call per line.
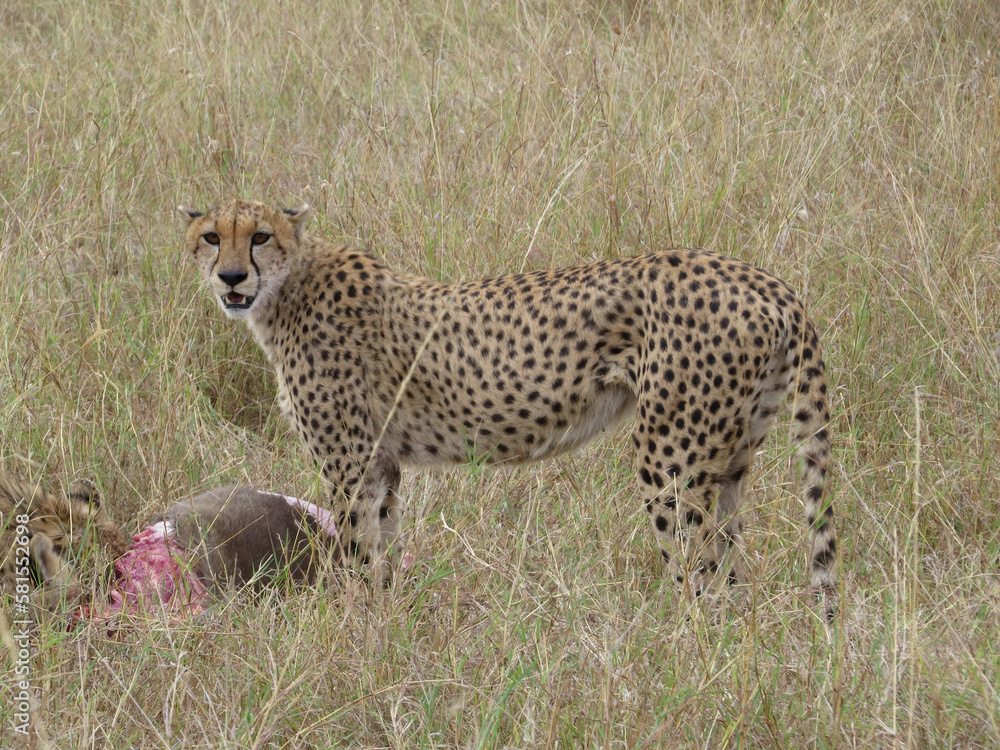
point(234, 301)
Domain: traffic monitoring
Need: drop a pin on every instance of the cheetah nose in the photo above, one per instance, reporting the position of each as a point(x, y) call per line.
point(232, 277)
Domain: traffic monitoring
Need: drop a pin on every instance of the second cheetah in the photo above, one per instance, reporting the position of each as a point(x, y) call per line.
point(39, 534)
point(701, 347)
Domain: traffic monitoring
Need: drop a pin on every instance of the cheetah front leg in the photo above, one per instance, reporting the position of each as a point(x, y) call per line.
point(368, 523)
point(381, 484)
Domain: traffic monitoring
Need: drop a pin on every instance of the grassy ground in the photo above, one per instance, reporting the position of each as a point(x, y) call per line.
point(852, 150)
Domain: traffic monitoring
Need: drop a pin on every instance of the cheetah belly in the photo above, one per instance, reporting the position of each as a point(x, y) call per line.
point(606, 411)
point(415, 440)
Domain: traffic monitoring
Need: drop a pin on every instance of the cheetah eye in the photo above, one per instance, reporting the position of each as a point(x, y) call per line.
point(211, 238)
point(260, 238)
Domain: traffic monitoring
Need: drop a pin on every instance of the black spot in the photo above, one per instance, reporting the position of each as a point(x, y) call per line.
point(824, 558)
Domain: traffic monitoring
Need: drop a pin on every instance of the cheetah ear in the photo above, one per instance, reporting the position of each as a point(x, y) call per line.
point(297, 218)
point(84, 491)
point(187, 215)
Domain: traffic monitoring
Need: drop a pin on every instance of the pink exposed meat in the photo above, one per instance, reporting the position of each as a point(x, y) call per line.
point(154, 577)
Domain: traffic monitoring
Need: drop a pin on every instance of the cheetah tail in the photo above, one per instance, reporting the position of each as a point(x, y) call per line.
point(812, 416)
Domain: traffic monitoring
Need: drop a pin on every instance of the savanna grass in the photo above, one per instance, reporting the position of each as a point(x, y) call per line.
point(851, 149)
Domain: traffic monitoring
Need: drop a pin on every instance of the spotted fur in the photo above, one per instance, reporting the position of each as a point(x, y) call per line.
point(702, 347)
point(58, 528)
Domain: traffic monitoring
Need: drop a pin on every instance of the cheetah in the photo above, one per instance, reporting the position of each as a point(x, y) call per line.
point(57, 528)
point(702, 348)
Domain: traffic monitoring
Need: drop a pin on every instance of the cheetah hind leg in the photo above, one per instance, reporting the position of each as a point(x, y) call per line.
point(727, 511)
point(686, 531)
point(762, 410)
point(729, 542)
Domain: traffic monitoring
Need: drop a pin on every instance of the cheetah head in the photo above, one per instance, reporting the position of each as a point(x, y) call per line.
point(81, 521)
point(245, 251)
point(62, 531)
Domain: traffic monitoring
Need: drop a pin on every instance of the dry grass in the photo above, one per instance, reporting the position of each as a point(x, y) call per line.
point(853, 151)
